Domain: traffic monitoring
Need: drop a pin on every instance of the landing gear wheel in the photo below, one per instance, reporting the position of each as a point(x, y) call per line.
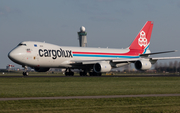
point(25, 73)
point(99, 74)
point(83, 74)
point(91, 74)
point(68, 72)
point(72, 73)
point(95, 74)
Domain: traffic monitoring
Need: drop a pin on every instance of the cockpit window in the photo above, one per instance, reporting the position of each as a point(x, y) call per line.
point(20, 44)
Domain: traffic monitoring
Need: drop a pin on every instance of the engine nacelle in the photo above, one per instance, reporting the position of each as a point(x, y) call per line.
point(41, 69)
point(102, 67)
point(142, 65)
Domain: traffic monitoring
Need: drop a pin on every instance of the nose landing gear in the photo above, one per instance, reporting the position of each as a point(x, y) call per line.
point(25, 73)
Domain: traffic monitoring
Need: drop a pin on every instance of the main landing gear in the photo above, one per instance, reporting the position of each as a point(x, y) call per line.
point(25, 73)
point(84, 73)
point(94, 74)
point(68, 72)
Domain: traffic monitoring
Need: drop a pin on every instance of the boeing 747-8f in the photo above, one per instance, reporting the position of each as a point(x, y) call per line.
point(43, 56)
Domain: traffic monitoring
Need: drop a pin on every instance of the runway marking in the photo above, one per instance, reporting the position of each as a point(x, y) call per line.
point(90, 97)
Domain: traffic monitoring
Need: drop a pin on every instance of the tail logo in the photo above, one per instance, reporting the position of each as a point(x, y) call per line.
point(142, 41)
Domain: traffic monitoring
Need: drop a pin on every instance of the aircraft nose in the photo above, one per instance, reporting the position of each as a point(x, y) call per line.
point(15, 56)
point(12, 55)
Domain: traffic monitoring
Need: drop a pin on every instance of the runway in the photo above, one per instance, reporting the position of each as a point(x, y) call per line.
point(149, 75)
point(90, 97)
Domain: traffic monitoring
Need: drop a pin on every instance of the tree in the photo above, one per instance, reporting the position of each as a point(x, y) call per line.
point(175, 66)
point(171, 66)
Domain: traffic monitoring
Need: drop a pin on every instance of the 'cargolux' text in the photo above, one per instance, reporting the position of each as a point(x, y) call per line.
point(55, 53)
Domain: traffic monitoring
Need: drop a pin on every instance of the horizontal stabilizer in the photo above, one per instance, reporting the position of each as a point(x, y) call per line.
point(147, 54)
point(164, 58)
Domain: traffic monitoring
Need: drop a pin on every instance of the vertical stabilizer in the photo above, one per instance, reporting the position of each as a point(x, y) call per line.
point(142, 40)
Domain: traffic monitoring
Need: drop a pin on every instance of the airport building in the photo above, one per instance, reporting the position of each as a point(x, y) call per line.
point(82, 37)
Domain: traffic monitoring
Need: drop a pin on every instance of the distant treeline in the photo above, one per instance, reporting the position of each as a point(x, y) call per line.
point(167, 67)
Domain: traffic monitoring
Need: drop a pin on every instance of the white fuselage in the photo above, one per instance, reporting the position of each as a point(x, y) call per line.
point(39, 54)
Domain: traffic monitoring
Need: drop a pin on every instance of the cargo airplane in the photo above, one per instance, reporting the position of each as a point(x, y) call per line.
point(42, 56)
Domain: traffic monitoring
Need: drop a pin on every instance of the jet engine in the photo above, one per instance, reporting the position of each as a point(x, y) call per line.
point(142, 65)
point(41, 69)
point(102, 67)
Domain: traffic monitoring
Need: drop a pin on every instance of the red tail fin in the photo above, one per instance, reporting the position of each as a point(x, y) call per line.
point(142, 40)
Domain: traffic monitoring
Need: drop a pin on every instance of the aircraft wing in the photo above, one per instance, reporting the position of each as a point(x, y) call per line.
point(89, 61)
point(121, 60)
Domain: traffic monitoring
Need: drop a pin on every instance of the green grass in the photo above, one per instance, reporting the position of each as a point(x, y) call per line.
point(78, 86)
point(116, 105)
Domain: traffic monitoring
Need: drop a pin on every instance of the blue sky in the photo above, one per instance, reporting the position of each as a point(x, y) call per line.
point(109, 23)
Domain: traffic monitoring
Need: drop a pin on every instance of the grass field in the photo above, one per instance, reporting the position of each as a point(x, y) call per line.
point(78, 86)
point(117, 105)
point(42, 87)
point(69, 86)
